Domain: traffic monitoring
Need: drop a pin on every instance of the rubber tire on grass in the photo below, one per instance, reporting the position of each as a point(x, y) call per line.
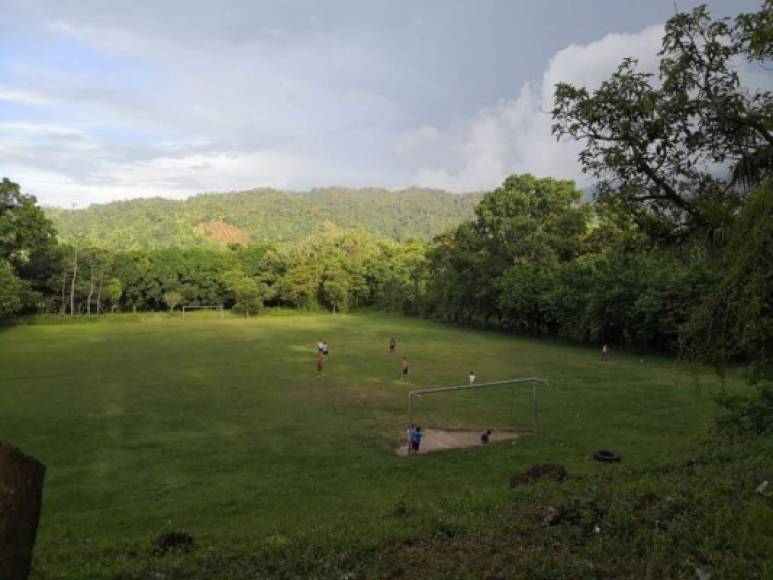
point(606, 456)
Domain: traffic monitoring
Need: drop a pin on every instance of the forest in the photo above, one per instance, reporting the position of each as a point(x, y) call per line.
point(261, 216)
point(674, 254)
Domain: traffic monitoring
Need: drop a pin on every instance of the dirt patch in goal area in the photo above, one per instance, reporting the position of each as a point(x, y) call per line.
point(440, 440)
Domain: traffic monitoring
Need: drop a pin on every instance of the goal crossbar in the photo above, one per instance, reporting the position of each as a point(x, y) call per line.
point(532, 380)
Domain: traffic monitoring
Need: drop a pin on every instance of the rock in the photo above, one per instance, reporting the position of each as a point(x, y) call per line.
point(550, 516)
point(172, 541)
point(21, 497)
point(540, 471)
point(702, 574)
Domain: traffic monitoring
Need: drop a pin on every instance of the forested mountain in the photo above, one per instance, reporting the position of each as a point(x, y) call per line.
point(262, 215)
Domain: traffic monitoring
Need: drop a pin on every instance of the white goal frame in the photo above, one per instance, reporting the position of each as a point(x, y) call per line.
point(207, 307)
point(528, 381)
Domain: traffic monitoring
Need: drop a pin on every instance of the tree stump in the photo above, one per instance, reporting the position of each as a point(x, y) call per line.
point(21, 495)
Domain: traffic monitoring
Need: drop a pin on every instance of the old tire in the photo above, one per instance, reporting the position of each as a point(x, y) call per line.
point(606, 456)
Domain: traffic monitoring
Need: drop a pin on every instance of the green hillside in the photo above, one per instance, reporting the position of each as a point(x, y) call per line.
point(264, 215)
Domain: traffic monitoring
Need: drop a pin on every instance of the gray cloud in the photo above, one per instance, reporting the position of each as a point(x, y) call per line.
point(102, 100)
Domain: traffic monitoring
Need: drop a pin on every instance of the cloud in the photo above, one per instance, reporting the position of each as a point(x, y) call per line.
point(166, 175)
point(173, 98)
point(514, 136)
point(239, 133)
point(37, 129)
point(23, 96)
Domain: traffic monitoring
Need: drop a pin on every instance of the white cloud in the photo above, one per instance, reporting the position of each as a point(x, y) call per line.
point(38, 129)
point(209, 171)
point(514, 136)
point(24, 96)
point(171, 177)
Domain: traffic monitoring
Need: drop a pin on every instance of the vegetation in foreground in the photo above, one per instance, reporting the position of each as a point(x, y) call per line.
point(221, 429)
point(700, 518)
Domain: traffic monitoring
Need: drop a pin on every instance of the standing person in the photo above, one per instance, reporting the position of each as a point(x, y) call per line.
point(416, 440)
point(404, 367)
point(473, 378)
point(409, 431)
point(392, 344)
point(605, 352)
point(320, 363)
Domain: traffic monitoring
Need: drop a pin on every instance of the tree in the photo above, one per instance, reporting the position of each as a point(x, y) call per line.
point(532, 220)
point(523, 292)
point(113, 291)
point(27, 242)
point(11, 291)
point(658, 146)
point(335, 293)
point(734, 322)
point(73, 280)
point(247, 292)
point(302, 272)
point(172, 298)
point(526, 221)
point(24, 229)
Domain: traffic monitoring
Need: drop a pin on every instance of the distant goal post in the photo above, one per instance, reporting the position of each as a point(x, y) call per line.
point(528, 384)
point(218, 307)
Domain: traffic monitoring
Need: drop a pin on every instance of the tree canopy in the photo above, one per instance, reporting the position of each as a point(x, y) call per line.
point(681, 150)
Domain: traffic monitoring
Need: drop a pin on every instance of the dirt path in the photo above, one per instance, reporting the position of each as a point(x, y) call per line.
point(438, 440)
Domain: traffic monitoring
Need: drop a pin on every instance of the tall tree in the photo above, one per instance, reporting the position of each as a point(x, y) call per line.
point(173, 298)
point(680, 151)
point(11, 291)
point(248, 293)
point(735, 321)
point(27, 240)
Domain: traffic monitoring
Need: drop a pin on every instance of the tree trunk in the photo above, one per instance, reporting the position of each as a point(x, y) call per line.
point(21, 496)
point(64, 290)
point(72, 286)
point(91, 293)
point(99, 295)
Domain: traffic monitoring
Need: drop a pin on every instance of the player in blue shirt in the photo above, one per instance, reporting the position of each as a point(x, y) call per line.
point(416, 436)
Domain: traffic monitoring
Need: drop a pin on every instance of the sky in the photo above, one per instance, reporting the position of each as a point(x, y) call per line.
point(103, 100)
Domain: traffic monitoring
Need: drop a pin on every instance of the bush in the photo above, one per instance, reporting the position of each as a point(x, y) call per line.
point(746, 414)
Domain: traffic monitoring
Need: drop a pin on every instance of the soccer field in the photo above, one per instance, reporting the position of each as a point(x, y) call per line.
point(221, 428)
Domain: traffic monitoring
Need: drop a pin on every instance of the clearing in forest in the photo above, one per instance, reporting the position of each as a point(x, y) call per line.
point(221, 231)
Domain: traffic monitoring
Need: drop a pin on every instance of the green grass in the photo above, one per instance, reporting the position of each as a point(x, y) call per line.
point(222, 429)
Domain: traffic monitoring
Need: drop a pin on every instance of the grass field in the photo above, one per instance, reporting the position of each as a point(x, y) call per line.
point(221, 428)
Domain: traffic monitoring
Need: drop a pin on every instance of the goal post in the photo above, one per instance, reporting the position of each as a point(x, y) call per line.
point(523, 403)
point(217, 307)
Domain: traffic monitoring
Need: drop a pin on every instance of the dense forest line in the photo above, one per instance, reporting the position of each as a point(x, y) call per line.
point(674, 255)
point(261, 216)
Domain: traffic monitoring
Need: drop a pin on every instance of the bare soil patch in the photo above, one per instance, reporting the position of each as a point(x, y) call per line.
point(440, 440)
point(221, 231)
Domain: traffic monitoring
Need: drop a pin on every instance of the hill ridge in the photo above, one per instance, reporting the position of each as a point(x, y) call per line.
point(265, 215)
